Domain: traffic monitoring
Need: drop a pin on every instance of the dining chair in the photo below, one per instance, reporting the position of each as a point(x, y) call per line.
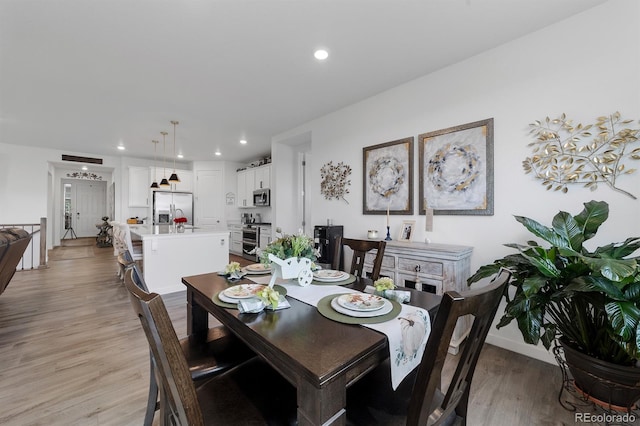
point(221, 351)
point(418, 400)
point(252, 393)
point(360, 249)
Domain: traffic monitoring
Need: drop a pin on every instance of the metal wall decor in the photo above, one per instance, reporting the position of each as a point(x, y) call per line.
point(388, 178)
point(84, 175)
point(456, 169)
point(335, 180)
point(565, 154)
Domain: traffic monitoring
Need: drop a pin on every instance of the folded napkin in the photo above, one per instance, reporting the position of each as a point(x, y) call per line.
point(400, 296)
point(234, 276)
point(254, 305)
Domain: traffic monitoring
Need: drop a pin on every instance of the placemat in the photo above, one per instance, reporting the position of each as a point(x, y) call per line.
point(324, 307)
point(349, 280)
point(217, 301)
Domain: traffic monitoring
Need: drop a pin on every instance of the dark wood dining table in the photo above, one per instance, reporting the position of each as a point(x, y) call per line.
point(319, 356)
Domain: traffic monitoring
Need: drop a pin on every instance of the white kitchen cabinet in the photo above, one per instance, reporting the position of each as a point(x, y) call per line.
point(246, 182)
point(186, 181)
point(265, 236)
point(262, 178)
point(139, 183)
point(235, 245)
point(436, 268)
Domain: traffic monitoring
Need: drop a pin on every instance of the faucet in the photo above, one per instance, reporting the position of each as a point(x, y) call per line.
point(181, 213)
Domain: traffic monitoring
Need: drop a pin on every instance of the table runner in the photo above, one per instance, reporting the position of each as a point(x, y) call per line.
point(407, 334)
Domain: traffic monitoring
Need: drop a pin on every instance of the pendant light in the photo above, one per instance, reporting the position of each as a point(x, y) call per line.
point(164, 181)
point(174, 177)
point(154, 185)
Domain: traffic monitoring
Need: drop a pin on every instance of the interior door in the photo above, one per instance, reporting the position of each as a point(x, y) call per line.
point(84, 207)
point(209, 203)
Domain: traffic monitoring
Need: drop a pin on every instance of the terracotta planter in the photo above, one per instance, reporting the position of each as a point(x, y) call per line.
point(610, 385)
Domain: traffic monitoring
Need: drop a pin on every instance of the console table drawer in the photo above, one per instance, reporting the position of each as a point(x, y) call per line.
point(387, 261)
point(426, 267)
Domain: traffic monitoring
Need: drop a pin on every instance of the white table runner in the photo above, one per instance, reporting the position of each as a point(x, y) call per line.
point(407, 333)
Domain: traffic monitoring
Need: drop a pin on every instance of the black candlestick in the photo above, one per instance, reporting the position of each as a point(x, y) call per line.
point(388, 235)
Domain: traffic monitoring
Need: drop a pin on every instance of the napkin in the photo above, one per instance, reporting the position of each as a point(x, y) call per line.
point(400, 296)
point(254, 305)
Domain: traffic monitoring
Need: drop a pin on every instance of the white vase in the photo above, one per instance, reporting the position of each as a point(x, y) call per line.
point(298, 268)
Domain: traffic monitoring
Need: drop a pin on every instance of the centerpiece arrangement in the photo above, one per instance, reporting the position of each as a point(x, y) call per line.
point(291, 257)
point(180, 221)
point(589, 301)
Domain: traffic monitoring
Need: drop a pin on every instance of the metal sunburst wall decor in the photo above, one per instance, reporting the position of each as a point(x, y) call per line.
point(335, 180)
point(589, 155)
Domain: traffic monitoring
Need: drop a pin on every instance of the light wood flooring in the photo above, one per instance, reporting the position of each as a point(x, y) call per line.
point(73, 353)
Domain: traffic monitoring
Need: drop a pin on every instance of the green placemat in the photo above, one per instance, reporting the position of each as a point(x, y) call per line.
point(217, 301)
point(349, 280)
point(324, 307)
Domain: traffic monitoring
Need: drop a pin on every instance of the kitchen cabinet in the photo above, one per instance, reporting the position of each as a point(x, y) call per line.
point(139, 184)
point(186, 181)
point(436, 268)
point(262, 179)
point(246, 184)
point(235, 245)
point(265, 236)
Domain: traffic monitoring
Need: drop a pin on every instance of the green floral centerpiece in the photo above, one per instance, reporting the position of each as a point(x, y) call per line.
point(287, 246)
point(384, 283)
point(269, 296)
point(231, 268)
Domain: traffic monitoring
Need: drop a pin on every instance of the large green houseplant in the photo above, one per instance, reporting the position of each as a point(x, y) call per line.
point(590, 300)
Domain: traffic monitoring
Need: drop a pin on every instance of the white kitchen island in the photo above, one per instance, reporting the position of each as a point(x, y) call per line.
point(168, 255)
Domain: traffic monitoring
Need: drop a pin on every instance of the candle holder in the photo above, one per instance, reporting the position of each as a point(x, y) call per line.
point(388, 235)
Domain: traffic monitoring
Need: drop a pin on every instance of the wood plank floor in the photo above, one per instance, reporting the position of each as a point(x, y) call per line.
point(73, 353)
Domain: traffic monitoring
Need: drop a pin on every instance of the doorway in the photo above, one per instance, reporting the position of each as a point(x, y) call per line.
point(83, 207)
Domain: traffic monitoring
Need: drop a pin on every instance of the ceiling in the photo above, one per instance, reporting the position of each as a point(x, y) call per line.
point(86, 76)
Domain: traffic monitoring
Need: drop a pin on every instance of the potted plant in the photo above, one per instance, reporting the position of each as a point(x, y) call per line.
point(588, 300)
point(291, 256)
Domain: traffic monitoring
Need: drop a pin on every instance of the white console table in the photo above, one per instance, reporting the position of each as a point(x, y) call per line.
point(436, 268)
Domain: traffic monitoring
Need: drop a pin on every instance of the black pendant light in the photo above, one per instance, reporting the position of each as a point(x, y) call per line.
point(154, 185)
point(164, 181)
point(174, 176)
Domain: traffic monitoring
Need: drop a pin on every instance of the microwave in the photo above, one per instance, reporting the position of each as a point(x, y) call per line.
point(262, 197)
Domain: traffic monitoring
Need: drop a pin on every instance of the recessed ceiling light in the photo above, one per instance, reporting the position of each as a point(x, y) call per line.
point(243, 141)
point(84, 168)
point(218, 153)
point(121, 147)
point(321, 54)
point(180, 156)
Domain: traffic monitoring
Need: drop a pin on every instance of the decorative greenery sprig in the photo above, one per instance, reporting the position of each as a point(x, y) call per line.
point(269, 296)
point(288, 246)
point(384, 283)
point(231, 268)
point(562, 156)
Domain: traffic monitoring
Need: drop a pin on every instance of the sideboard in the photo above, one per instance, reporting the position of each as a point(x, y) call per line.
point(435, 268)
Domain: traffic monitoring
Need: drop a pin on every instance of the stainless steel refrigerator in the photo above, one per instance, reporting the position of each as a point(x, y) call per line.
point(169, 205)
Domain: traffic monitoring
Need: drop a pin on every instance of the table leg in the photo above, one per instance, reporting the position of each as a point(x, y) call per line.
point(197, 317)
point(325, 406)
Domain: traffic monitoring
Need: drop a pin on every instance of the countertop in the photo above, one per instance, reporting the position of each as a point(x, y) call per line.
point(148, 231)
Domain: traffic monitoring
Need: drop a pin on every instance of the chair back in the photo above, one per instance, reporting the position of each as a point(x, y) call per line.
point(482, 304)
point(360, 249)
point(177, 391)
point(118, 237)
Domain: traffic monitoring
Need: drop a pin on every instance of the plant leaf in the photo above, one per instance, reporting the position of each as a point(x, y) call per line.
point(591, 217)
point(565, 225)
point(624, 319)
point(543, 232)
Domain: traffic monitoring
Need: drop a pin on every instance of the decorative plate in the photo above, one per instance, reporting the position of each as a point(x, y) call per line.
point(243, 291)
point(330, 275)
point(388, 307)
point(361, 302)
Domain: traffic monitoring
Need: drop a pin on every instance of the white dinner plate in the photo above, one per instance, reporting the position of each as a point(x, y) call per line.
point(330, 275)
point(242, 291)
point(388, 307)
point(257, 269)
point(362, 302)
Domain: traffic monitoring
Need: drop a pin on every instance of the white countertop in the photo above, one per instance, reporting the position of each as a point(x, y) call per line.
point(149, 231)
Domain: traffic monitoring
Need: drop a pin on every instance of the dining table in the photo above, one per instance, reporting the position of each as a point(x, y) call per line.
point(319, 356)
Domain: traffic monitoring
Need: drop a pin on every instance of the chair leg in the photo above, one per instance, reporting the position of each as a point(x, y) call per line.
point(152, 402)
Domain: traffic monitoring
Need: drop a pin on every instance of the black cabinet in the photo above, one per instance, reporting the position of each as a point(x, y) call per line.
point(325, 240)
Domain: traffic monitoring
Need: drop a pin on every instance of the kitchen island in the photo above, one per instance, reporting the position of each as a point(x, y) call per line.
point(169, 255)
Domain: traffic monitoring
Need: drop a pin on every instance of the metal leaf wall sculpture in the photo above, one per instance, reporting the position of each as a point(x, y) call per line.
point(597, 153)
point(335, 180)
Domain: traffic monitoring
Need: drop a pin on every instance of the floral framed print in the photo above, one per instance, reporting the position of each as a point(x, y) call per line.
point(456, 170)
point(388, 178)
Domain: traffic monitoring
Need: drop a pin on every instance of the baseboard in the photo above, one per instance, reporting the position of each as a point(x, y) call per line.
point(536, 352)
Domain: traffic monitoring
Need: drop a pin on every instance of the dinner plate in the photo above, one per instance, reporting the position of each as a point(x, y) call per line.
point(242, 291)
point(386, 308)
point(361, 302)
point(330, 275)
point(257, 269)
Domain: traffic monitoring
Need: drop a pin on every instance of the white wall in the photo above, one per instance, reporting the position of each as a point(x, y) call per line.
point(586, 66)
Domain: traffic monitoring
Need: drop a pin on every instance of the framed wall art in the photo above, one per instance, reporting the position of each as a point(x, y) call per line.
point(406, 232)
point(456, 170)
point(388, 178)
